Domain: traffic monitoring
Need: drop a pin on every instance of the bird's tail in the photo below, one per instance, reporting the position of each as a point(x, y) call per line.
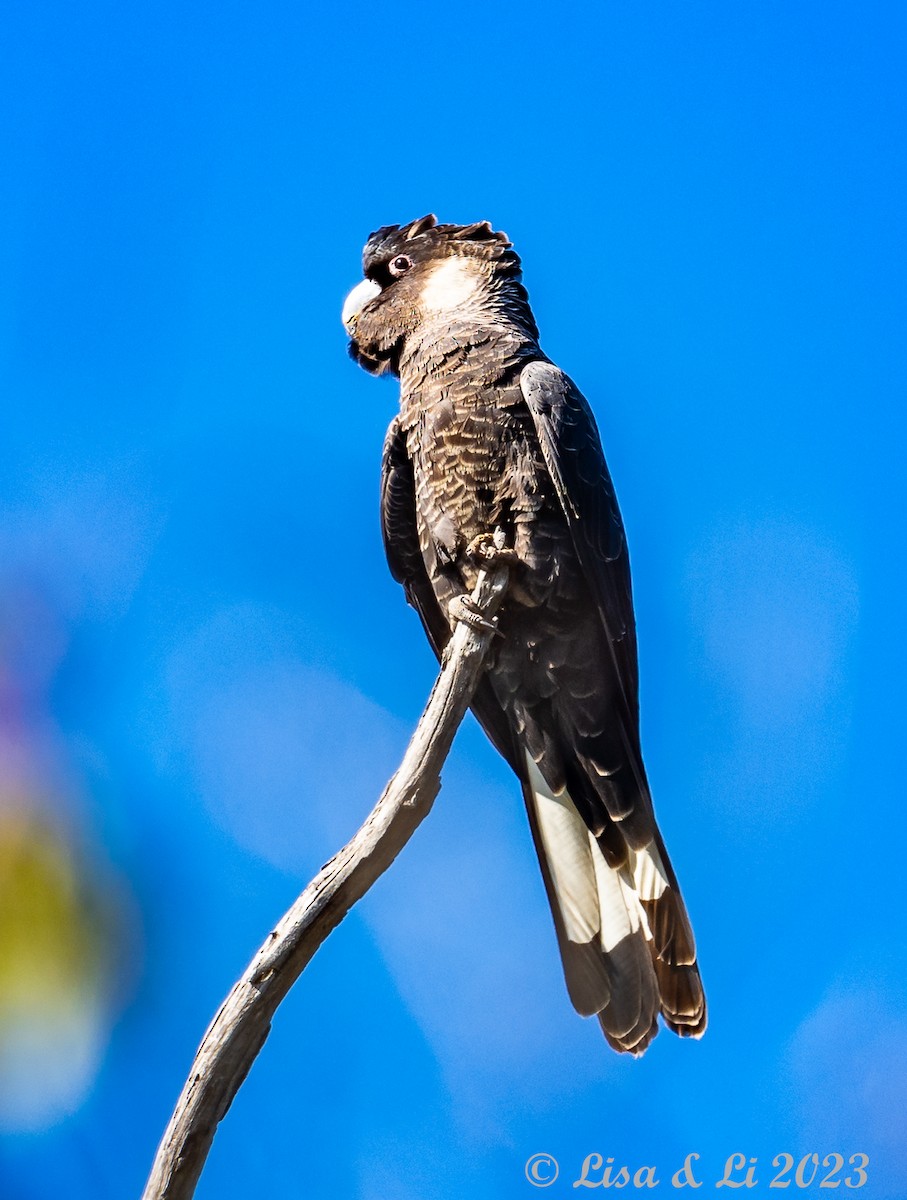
point(624, 935)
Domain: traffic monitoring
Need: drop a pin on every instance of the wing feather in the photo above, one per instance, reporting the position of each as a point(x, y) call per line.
point(572, 452)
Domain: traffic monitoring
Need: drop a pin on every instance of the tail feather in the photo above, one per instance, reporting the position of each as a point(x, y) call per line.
point(629, 1020)
point(625, 938)
point(682, 999)
point(565, 855)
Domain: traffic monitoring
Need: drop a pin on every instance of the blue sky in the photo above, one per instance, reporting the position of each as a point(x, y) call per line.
point(207, 673)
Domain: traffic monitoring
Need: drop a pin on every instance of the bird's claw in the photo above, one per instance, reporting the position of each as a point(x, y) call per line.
point(464, 608)
point(489, 548)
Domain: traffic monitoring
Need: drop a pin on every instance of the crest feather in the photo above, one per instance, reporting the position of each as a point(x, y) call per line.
point(477, 240)
point(481, 231)
point(429, 221)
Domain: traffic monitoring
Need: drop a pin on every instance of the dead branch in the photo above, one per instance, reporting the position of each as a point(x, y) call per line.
point(240, 1028)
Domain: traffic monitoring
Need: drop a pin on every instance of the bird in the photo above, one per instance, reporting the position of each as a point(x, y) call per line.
point(495, 452)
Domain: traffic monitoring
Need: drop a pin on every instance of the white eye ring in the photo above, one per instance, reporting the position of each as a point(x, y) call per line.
point(400, 265)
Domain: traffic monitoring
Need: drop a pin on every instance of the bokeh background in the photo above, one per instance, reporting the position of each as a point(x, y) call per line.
point(206, 673)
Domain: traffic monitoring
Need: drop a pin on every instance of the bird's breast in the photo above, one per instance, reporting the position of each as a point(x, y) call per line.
point(459, 455)
point(478, 467)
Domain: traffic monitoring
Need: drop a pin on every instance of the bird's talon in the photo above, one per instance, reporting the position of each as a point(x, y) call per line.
point(464, 608)
point(487, 548)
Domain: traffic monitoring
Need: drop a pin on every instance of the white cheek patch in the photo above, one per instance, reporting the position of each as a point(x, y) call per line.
point(357, 300)
point(451, 285)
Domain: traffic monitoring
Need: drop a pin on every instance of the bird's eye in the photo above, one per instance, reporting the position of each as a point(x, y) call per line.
point(400, 264)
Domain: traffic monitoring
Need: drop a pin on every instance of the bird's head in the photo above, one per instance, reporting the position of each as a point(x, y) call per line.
point(426, 275)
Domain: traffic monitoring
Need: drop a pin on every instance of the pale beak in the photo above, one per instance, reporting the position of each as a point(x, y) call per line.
point(357, 300)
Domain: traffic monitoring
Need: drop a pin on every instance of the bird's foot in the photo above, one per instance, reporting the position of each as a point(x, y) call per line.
point(489, 548)
point(464, 608)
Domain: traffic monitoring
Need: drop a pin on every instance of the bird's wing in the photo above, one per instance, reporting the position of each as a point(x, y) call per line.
point(573, 455)
point(404, 557)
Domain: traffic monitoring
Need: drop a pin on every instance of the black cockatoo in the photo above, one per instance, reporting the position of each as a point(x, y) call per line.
point(491, 435)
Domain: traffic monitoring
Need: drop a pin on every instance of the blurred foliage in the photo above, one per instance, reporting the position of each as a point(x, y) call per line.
point(51, 937)
point(60, 939)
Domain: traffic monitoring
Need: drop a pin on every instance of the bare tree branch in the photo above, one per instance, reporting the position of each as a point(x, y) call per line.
point(240, 1028)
